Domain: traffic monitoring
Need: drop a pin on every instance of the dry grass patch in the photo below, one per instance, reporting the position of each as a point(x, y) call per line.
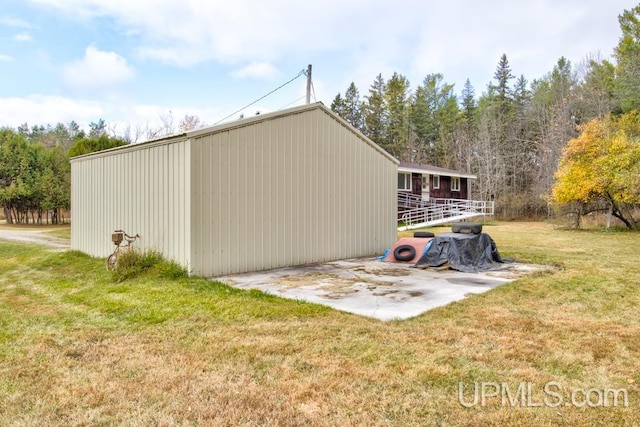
point(76, 348)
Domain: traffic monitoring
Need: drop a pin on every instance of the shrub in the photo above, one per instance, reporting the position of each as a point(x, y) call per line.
point(171, 270)
point(133, 263)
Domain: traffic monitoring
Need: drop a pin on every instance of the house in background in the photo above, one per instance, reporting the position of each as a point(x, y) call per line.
point(433, 182)
point(431, 195)
point(297, 186)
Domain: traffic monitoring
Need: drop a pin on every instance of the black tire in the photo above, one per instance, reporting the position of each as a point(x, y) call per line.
point(466, 227)
point(404, 253)
point(423, 234)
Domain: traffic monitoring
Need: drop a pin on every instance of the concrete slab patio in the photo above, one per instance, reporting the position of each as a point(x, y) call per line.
point(381, 290)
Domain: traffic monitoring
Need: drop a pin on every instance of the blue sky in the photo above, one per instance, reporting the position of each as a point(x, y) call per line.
point(131, 62)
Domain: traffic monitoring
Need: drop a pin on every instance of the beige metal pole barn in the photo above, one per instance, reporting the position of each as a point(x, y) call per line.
point(293, 187)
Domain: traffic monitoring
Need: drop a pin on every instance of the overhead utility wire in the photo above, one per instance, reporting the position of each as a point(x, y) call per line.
point(301, 73)
point(293, 102)
point(314, 91)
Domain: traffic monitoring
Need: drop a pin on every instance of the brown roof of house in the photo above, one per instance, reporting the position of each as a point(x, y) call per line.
point(432, 170)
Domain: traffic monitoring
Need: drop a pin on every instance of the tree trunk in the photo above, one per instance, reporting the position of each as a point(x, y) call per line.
point(7, 214)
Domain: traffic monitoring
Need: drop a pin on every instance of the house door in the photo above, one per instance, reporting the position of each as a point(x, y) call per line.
point(425, 187)
point(416, 184)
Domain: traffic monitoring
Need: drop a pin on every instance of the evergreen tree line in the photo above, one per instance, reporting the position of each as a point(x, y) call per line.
point(35, 174)
point(513, 134)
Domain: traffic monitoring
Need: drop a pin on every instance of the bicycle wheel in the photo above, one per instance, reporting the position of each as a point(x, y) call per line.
point(112, 261)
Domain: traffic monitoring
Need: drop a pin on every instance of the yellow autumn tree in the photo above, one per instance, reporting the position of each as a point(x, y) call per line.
point(603, 165)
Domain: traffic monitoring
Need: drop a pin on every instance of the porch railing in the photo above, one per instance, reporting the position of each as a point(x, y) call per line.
point(412, 212)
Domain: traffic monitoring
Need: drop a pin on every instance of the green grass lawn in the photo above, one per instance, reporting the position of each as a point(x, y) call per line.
point(80, 347)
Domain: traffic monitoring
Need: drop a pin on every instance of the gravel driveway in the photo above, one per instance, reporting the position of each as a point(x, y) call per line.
point(34, 235)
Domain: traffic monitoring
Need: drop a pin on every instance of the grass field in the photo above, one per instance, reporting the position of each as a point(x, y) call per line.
point(77, 347)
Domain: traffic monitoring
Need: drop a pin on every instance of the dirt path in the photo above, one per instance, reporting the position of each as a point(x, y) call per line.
point(34, 235)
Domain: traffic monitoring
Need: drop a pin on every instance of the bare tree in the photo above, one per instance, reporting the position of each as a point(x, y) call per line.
point(189, 122)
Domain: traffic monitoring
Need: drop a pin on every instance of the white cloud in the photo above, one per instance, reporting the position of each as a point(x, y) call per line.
point(5, 58)
point(345, 40)
point(256, 70)
point(48, 110)
point(191, 31)
point(21, 37)
point(11, 21)
point(98, 69)
point(118, 115)
point(460, 39)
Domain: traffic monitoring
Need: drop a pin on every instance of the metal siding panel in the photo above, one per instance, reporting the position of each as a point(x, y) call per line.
point(305, 195)
point(186, 207)
point(179, 198)
point(200, 166)
point(213, 239)
point(323, 179)
point(194, 160)
point(126, 190)
point(339, 212)
point(300, 193)
point(223, 206)
point(171, 208)
point(177, 190)
point(240, 198)
point(289, 217)
point(225, 202)
point(285, 204)
point(245, 205)
point(275, 236)
point(262, 200)
point(182, 239)
point(351, 187)
point(361, 226)
point(204, 214)
point(317, 243)
point(295, 213)
point(272, 232)
point(235, 196)
point(328, 169)
point(354, 184)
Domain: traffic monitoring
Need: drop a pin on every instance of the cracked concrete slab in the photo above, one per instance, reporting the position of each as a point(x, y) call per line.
point(381, 290)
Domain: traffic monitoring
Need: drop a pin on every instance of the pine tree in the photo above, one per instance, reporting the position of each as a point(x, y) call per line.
point(468, 102)
point(628, 55)
point(396, 97)
point(337, 106)
point(352, 111)
point(503, 77)
point(375, 111)
point(434, 112)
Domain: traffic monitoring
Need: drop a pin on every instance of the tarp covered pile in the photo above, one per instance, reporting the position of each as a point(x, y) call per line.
point(468, 252)
point(464, 252)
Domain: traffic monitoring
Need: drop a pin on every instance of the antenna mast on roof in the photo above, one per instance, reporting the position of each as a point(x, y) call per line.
point(308, 73)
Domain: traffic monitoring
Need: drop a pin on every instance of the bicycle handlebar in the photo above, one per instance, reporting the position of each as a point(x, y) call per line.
point(126, 235)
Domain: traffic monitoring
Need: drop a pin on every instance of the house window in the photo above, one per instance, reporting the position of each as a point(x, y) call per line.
point(455, 183)
point(404, 181)
point(425, 182)
point(436, 181)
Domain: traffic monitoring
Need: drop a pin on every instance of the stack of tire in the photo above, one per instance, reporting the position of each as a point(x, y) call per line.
point(466, 227)
point(408, 252)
